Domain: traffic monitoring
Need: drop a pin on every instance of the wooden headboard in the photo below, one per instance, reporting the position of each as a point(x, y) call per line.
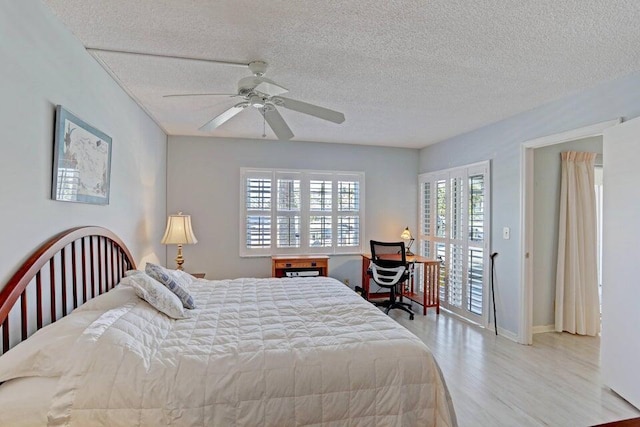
point(65, 272)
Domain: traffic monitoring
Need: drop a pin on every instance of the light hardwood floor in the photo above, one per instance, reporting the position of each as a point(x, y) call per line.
point(494, 381)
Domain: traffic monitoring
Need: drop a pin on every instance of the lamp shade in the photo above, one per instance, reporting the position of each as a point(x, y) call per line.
point(179, 231)
point(406, 234)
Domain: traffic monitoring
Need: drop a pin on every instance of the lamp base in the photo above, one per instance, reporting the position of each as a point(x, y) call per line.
point(408, 251)
point(179, 259)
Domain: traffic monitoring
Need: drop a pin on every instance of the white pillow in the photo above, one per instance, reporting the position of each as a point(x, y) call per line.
point(45, 353)
point(156, 294)
point(116, 297)
point(133, 272)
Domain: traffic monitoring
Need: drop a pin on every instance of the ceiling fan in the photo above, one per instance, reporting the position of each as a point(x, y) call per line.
point(263, 94)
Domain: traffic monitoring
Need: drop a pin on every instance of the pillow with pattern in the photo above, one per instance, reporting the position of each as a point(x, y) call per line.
point(165, 277)
point(156, 294)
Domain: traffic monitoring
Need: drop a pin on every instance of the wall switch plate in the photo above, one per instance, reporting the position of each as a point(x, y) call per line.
point(506, 233)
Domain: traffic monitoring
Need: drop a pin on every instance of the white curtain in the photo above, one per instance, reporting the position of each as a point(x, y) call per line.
point(577, 300)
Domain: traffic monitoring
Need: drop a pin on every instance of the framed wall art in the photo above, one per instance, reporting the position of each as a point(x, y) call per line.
point(81, 161)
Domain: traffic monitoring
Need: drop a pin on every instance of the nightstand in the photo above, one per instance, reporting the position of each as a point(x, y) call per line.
point(198, 275)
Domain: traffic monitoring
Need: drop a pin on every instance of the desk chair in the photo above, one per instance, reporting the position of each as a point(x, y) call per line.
point(389, 269)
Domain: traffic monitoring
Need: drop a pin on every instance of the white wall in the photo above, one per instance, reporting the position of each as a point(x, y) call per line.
point(203, 180)
point(500, 142)
point(546, 210)
point(44, 65)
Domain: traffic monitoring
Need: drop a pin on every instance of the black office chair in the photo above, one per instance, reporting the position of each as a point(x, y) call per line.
point(389, 269)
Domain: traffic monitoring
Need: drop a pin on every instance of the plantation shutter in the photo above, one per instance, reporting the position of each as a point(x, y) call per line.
point(298, 211)
point(257, 219)
point(289, 209)
point(453, 227)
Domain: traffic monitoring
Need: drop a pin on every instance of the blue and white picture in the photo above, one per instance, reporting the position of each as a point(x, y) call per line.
point(81, 161)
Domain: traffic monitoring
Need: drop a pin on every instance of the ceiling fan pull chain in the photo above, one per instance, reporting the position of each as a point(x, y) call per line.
point(264, 127)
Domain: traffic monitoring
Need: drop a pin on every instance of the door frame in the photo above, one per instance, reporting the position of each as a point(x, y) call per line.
point(525, 332)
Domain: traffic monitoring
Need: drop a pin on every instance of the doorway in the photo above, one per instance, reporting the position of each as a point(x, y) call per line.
point(547, 178)
point(527, 214)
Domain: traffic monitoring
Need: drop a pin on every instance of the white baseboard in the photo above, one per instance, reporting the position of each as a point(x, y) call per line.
point(490, 327)
point(541, 329)
point(503, 332)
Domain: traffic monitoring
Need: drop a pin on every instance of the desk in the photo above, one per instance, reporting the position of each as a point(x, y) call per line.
point(430, 297)
point(281, 264)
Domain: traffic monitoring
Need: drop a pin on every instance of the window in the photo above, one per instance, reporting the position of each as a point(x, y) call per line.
point(297, 211)
point(454, 226)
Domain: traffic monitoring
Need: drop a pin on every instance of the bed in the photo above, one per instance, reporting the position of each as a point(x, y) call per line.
point(268, 352)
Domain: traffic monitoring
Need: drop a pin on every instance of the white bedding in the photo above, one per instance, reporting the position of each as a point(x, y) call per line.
point(268, 352)
point(25, 401)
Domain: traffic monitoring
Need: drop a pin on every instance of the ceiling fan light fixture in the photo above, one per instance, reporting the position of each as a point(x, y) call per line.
point(263, 85)
point(257, 101)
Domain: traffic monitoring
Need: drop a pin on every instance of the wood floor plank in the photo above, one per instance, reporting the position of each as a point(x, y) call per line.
point(496, 382)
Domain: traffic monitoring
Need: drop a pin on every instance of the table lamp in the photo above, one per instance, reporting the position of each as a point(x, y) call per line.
point(179, 232)
point(406, 234)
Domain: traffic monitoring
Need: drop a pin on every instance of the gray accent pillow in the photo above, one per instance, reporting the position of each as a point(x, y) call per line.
point(184, 279)
point(165, 277)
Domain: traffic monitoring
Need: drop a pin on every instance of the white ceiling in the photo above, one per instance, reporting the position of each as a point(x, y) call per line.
point(404, 73)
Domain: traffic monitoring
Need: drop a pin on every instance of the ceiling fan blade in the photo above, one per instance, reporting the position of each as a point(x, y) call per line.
point(220, 119)
point(199, 94)
point(313, 110)
point(277, 124)
point(270, 87)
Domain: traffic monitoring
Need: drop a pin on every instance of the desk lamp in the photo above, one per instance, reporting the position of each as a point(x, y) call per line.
point(406, 234)
point(179, 232)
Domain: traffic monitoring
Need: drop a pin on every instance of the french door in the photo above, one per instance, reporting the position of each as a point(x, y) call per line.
point(454, 228)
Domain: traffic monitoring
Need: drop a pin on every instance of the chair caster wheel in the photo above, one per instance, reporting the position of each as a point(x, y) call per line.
point(411, 317)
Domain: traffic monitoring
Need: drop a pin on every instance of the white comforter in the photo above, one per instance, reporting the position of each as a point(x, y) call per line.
point(264, 352)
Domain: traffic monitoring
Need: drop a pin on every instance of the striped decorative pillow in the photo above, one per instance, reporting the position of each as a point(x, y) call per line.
point(165, 277)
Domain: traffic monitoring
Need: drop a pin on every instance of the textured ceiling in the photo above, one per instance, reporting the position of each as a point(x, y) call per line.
point(404, 73)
